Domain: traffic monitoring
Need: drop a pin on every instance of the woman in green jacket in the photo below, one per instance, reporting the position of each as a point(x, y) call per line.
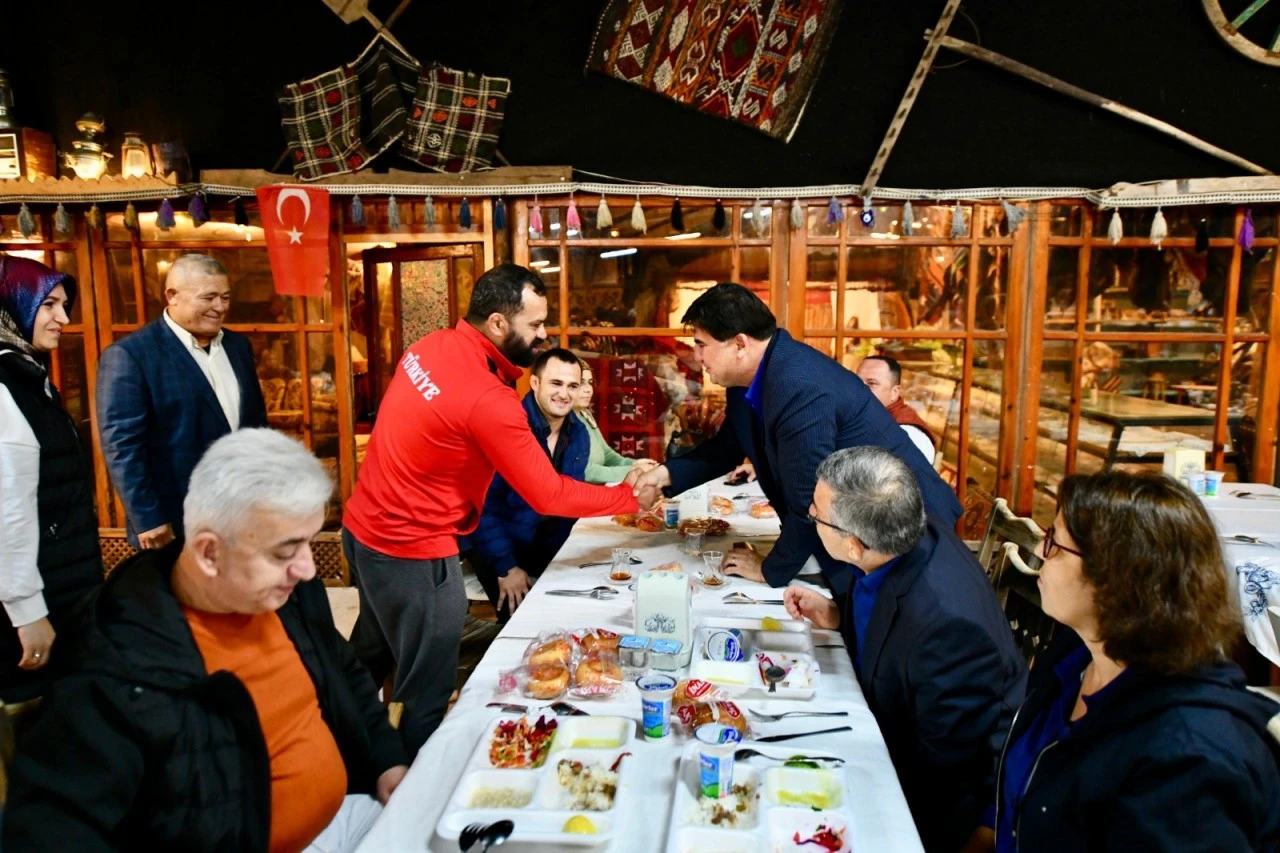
point(605, 465)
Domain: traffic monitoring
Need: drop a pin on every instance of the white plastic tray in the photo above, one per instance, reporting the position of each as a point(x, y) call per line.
point(794, 639)
point(775, 824)
point(543, 819)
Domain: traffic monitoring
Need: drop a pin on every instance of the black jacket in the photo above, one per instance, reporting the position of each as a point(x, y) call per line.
point(139, 748)
point(69, 559)
point(811, 406)
point(1170, 763)
point(943, 677)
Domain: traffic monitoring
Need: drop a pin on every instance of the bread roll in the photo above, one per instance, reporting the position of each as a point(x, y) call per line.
point(547, 681)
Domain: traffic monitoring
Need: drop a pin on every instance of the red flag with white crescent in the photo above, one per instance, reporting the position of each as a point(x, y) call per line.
point(296, 222)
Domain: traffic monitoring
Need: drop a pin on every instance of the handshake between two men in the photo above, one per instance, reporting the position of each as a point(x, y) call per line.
point(647, 479)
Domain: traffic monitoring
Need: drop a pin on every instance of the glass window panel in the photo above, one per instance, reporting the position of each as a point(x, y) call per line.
point(253, 293)
point(1253, 307)
point(652, 398)
point(985, 407)
point(276, 357)
point(887, 224)
point(1157, 290)
point(645, 287)
point(124, 303)
point(931, 220)
point(990, 219)
point(992, 287)
point(1052, 421)
point(324, 415)
point(818, 226)
point(65, 262)
point(1242, 410)
point(751, 229)
point(754, 269)
point(221, 224)
point(1065, 220)
point(11, 233)
point(906, 287)
point(1064, 266)
point(546, 262)
point(1153, 409)
point(1180, 221)
point(826, 346)
point(820, 289)
point(697, 219)
point(931, 374)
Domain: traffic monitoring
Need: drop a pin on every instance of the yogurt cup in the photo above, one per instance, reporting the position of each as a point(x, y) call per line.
point(716, 745)
point(1213, 483)
point(671, 513)
point(655, 705)
point(1196, 481)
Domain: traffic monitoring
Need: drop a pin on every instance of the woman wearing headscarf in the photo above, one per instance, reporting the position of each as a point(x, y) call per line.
point(49, 554)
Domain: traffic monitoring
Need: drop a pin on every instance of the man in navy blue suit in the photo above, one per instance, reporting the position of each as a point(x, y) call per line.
point(930, 645)
point(788, 407)
point(168, 391)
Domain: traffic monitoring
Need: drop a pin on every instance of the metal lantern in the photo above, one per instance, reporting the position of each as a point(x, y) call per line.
point(135, 156)
point(89, 159)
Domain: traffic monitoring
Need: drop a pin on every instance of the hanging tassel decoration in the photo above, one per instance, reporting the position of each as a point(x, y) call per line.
point(131, 217)
point(604, 216)
point(63, 226)
point(757, 218)
point(1246, 231)
point(429, 212)
point(1013, 216)
point(958, 228)
point(868, 214)
point(718, 218)
point(164, 218)
point(1202, 236)
point(26, 222)
point(94, 218)
point(908, 220)
point(1115, 229)
point(500, 215)
point(464, 214)
point(637, 218)
point(393, 214)
point(197, 211)
point(357, 211)
point(797, 214)
point(535, 219)
point(571, 217)
point(1159, 228)
point(242, 216)
point(835, 211)
point(677, 216)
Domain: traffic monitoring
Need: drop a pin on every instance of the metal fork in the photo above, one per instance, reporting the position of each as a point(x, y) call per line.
point(597, 593)
point(745, 753)
point(773, 718)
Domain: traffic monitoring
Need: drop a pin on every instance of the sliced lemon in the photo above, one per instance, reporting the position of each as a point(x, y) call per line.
point(579, 825)
point(768, 623)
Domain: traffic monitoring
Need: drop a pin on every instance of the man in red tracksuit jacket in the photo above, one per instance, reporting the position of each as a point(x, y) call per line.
point(450, 417)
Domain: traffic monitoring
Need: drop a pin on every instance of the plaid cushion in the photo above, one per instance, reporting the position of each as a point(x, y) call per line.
point(321, 121)
point(456, 119)
point(388, 82)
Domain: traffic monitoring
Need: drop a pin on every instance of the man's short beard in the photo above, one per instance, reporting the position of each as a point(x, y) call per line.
point(517, 352)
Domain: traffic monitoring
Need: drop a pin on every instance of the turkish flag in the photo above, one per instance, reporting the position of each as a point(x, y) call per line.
point(296, 222)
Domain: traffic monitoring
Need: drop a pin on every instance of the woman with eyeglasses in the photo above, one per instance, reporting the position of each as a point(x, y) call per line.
point(1137, 733)
point(49, 555)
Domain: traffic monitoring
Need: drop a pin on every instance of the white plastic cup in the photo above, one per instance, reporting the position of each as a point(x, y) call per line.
point(1213, 483)
point(655, 705)
point(716, 746)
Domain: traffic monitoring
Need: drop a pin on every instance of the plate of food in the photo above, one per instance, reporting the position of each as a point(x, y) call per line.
point(559, 782)
point(710, 527)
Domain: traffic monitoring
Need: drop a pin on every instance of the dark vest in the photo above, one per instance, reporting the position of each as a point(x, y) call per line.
point(69, 558)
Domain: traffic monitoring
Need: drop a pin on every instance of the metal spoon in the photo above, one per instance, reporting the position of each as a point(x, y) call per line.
point(492, 835)
point(773, 674)
point(743, 598)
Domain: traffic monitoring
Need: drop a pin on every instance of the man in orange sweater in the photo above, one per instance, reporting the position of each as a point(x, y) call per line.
point(450, 418)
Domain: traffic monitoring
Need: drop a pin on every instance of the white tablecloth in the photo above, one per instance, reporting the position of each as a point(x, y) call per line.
point(1256, 568)
point(881, 818)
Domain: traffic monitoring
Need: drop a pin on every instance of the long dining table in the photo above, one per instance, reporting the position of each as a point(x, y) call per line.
point(882, 820)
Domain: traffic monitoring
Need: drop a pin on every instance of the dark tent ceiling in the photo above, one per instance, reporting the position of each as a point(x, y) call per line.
point(207, 73)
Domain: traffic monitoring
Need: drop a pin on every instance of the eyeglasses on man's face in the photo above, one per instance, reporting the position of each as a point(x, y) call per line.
point(812, 518)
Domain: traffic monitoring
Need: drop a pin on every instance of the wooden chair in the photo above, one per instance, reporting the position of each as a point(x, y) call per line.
point(1010, 554)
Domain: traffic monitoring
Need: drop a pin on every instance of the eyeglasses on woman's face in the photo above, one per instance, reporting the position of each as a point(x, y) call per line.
point(1052, 546)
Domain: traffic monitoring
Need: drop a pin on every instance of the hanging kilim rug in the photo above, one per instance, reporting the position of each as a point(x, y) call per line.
point(753, 61)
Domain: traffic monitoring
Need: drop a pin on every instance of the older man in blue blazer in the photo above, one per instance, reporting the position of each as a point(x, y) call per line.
point(788, 407)
point(930, 645)
point(168, 391)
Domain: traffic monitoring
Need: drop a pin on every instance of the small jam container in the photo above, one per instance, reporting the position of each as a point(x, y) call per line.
point(633, 651)
point(665, 654)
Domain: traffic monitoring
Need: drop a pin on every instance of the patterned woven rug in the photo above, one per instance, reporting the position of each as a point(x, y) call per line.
point(752, 61)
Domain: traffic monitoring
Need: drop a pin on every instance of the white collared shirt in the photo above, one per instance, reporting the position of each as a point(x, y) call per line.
point(216, 367)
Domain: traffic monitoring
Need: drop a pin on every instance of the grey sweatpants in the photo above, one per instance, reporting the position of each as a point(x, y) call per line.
point(411, 618)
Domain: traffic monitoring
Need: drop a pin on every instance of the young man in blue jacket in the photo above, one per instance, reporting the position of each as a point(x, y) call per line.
point(513, 543)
